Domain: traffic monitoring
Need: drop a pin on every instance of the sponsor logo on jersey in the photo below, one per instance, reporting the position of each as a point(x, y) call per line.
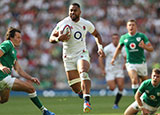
point(78, 35)
point(138, 39)
point(126, 40)
point(132, 45)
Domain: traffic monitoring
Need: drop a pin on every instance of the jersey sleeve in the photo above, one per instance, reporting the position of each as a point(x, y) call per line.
point(106, 50)
point(123, 52)
point(90, 27)
point(121, 41)
point(146, 40)
point(5, 46)
point(141, 89)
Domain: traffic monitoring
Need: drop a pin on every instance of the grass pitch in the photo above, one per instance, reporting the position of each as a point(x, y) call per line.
point(65, 106)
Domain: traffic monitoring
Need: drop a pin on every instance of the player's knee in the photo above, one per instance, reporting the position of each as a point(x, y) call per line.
point(120, 89)
point(134, 80)
point(31, 89)
point(112, 88)
point(84, 76)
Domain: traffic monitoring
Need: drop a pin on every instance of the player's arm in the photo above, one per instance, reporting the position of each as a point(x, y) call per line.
point(102, 65)
point(147, 46)
point(99, 43)
point(137, 98)
point(4, 69)
point(57, 36)
point(22, 73)
point(117, 52)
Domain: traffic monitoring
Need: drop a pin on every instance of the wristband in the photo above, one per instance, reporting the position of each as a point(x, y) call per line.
point(100, 46)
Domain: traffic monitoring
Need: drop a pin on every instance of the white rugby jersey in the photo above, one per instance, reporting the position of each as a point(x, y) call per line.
point(77, 42)
point(109, 52)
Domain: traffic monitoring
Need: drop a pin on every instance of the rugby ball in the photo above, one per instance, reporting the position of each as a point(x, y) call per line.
point(66, 29)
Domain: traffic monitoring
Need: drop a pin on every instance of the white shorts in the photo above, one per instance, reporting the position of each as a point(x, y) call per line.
point(112, 75)
point(71, 63)
point(7, 83)
point(141, 69)
point(152, 110)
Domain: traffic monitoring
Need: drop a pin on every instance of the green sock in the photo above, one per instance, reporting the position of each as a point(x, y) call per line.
point(36, 101)
point(135, 90)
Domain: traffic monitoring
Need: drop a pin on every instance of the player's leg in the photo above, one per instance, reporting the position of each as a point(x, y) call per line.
point(4, 95)
point(73, 77)
point(111, 84)
point(5, 86)
point(83, 67)
point(142, 72)
point(27, 87)
point(132, 72)
point(74, 80)
point(132, 109)
point(120, 84)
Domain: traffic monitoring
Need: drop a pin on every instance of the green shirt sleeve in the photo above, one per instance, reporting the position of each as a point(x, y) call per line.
point(146, 40)
point(141, 88)
point(121, 41)
point(5, 46)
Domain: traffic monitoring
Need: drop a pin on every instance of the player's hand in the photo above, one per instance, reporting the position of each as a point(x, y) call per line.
point(101, 53)
point(145, 111)
point(112, 61)
point(35, 80)
point(142, 44)
point(64, 37)
point(5, 69)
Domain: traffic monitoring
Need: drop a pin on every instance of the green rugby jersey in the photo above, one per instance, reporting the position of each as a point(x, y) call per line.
point(135, 54)
point(151, 94)
point(9, 57)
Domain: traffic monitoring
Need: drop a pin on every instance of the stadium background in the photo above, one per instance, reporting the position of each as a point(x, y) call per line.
point(37, 18)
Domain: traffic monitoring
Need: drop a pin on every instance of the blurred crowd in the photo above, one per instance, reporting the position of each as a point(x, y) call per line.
point(37, 18)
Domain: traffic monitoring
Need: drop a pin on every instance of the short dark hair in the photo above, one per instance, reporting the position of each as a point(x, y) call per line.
point(115, 34)
point(11, 32)
point(76, 4)
point(156, 70)
point(132, 20)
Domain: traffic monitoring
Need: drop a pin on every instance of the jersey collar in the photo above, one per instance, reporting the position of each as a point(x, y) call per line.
point(12, 43)
point(132, 35)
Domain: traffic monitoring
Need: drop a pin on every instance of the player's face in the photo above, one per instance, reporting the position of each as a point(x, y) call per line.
point(74, 13)
point(16, 40)
point(155, 79)
point(115, 39)
point(131, 27)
